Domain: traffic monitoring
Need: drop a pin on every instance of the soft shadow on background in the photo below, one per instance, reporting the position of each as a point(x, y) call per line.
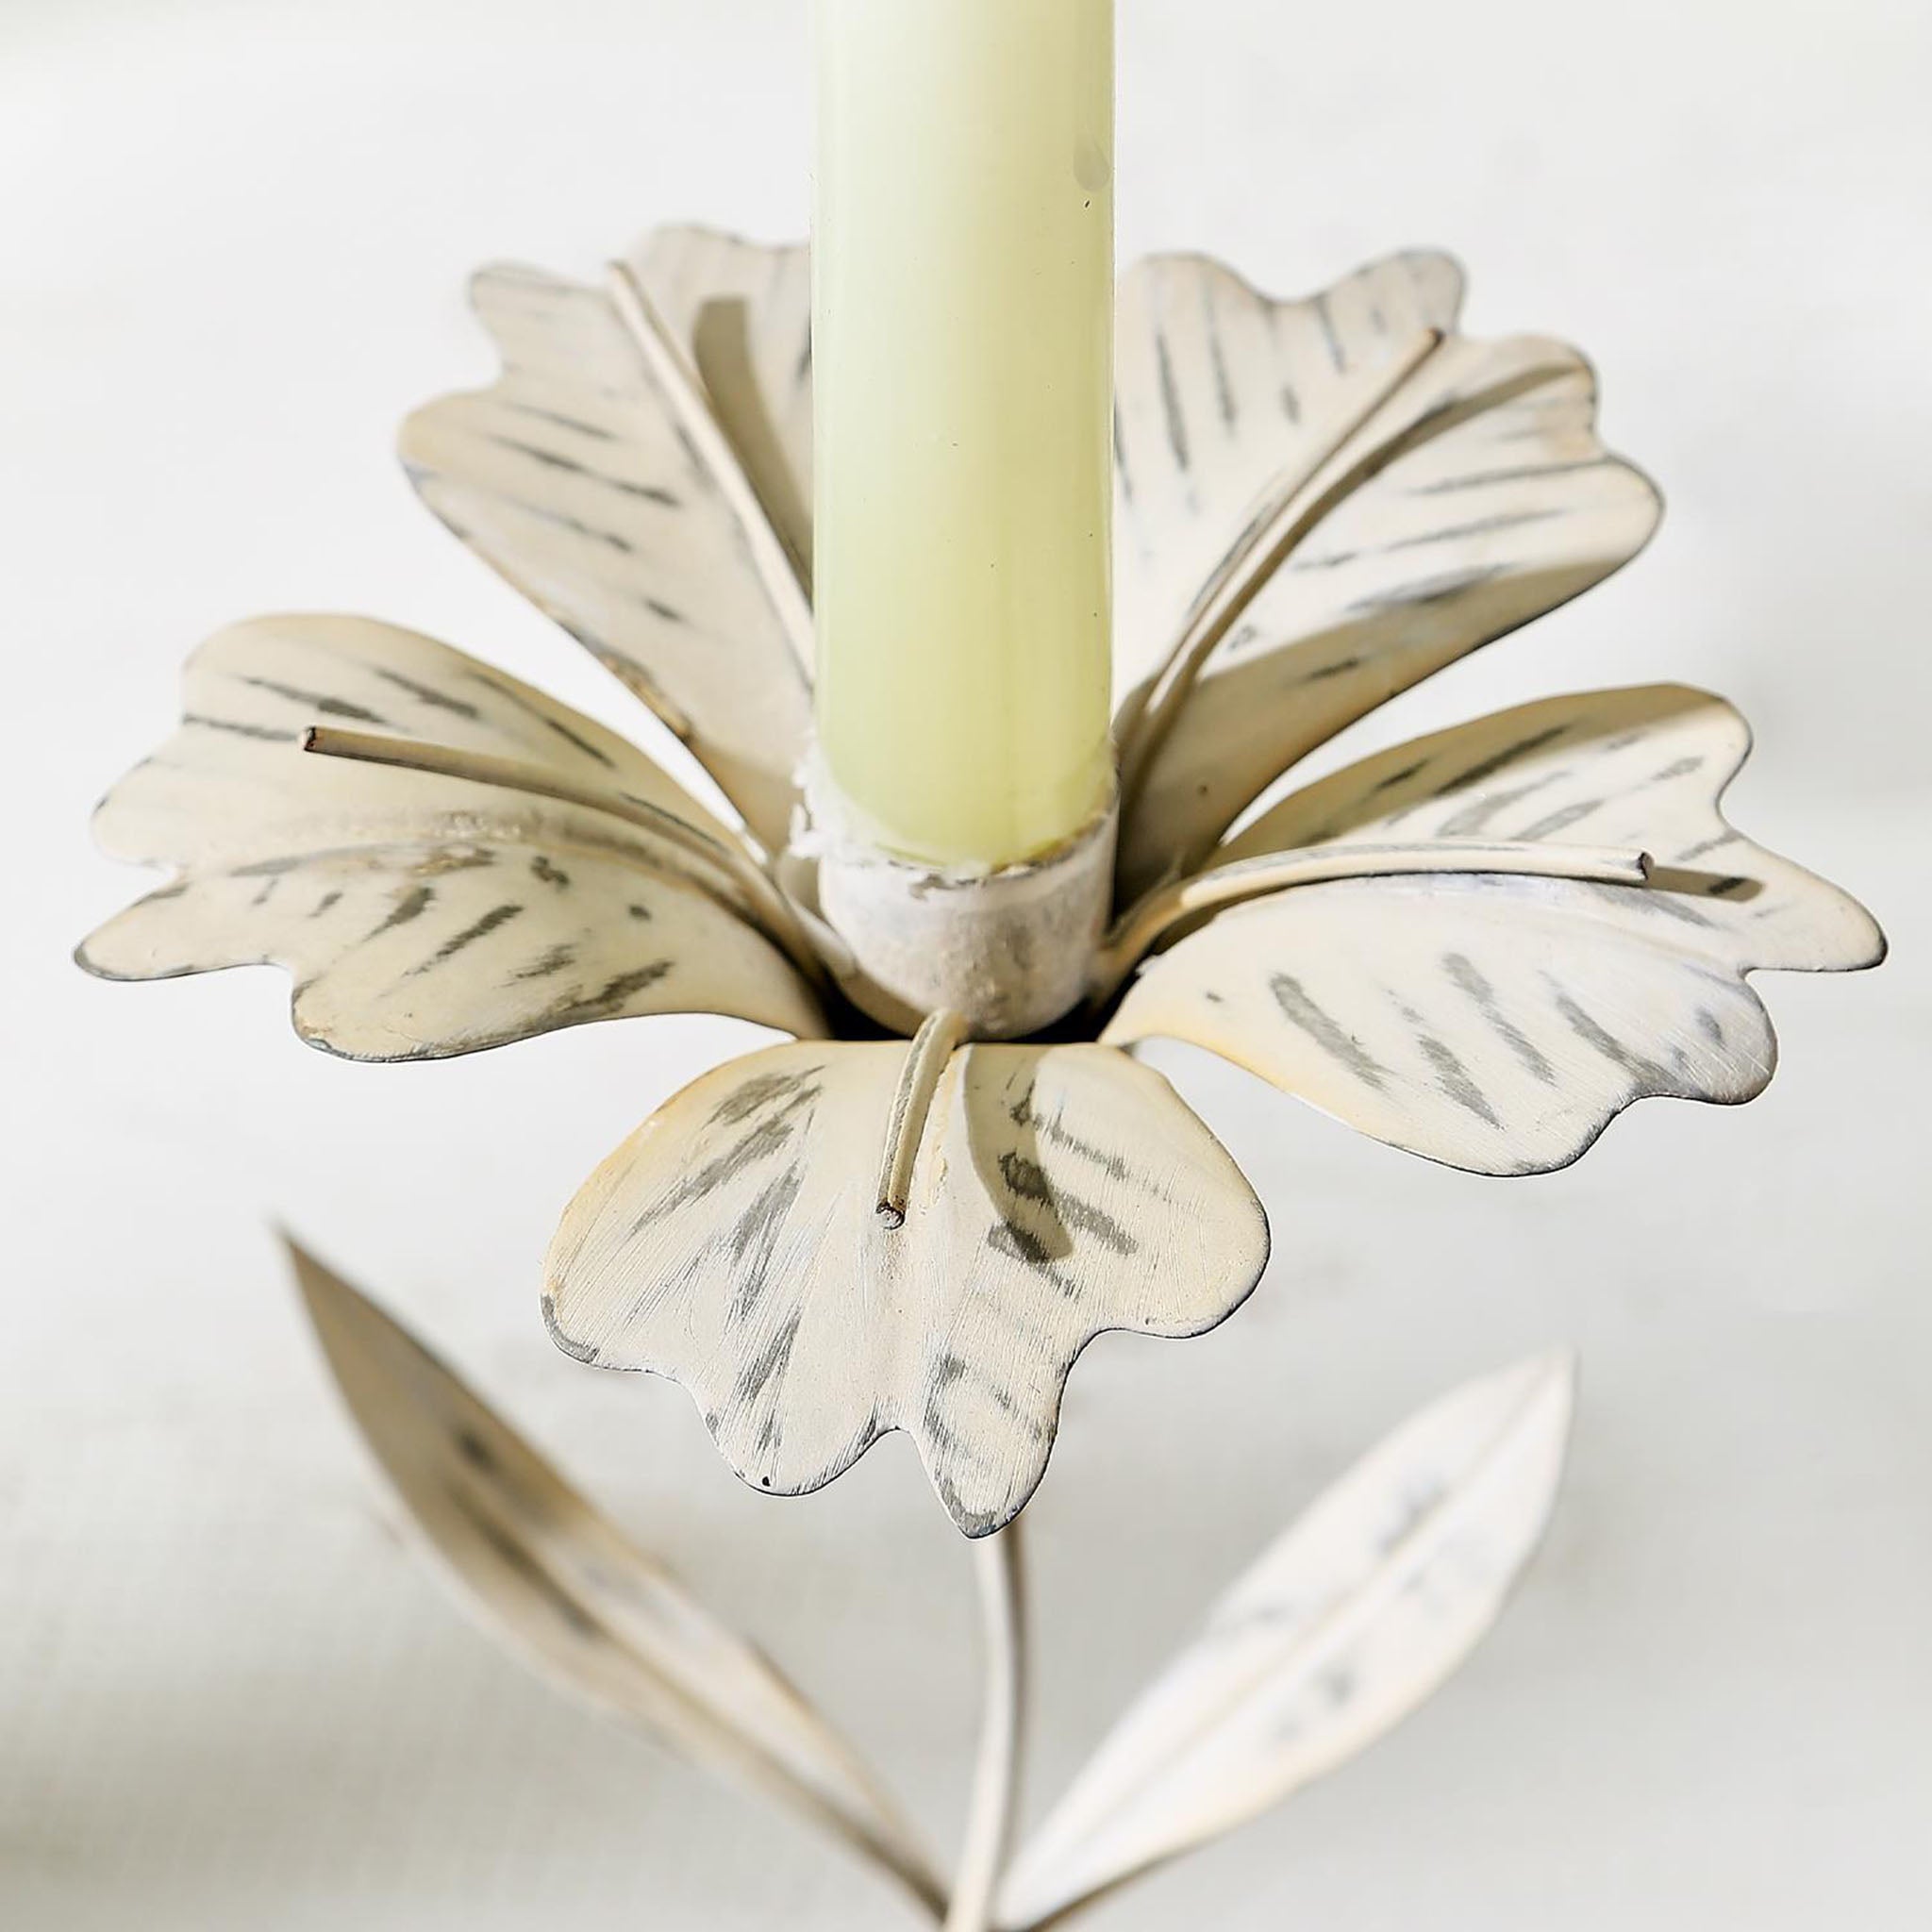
point(236, 242)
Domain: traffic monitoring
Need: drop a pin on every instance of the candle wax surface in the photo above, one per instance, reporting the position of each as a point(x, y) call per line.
point(963, 367)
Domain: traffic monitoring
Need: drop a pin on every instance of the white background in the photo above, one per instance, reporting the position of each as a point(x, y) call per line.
point(235, 240)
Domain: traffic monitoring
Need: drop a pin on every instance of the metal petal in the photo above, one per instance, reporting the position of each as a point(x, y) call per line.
point(1219, 390)
point(594, 474)
point(423, 915)
point(1496, 1023)
point(736, 1244)
point(1435, 497)
point(742, 312)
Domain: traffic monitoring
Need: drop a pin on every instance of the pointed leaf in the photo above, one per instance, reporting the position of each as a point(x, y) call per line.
point(1495, 1023)
point(423, 915)
point(582, 477)
point(1473, 496)
point(563, 1588)
point(735, 1244)
point(1352, 1620)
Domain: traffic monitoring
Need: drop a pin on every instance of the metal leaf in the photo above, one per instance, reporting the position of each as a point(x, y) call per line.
point(735, 1245)
point(1349, 1622)
point(562, 1587)
point(595, 476)
point(1499, 1023)
point(1431, 494)
point(422, 914)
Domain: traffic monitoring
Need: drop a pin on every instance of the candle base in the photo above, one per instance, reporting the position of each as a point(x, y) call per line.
point(1008, 951)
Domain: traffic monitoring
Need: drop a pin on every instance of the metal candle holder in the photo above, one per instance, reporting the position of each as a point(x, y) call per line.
point(1479, 947)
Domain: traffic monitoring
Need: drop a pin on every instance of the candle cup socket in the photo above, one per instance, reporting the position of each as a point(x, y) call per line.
point(1010, 951)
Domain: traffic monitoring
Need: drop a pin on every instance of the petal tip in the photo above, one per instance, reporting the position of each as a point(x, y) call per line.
point(583, 1352)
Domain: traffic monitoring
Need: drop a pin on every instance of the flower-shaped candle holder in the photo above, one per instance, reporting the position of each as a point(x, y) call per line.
point(1479, 947)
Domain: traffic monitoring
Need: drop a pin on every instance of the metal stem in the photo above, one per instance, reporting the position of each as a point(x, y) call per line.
point(997, 1777)
point(926, 1059)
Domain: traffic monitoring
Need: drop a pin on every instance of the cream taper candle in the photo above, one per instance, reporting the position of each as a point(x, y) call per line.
point(963, 366)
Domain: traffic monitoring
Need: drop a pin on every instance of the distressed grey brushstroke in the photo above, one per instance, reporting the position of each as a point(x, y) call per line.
point(497, 917)
point(1302, 1012)
point(1454, 1080)
point(1464, 973)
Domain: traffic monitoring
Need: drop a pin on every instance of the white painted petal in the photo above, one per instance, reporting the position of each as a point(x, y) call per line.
point(742, 312)
point(421, 915)
point(578, 476)
point(734, 1243)
point(226, 787)
point(576, 1601)
point(406, 953)
point(1472, 496)
point(1348, 1623)
point(1220, 390)
point(1497, 1023)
